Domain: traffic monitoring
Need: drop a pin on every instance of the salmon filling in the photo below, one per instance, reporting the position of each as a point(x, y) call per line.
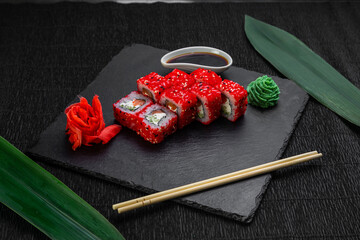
point(133, 105)
point(146, 92)
point(138, 102)
point(171, 106)
point(156, 116)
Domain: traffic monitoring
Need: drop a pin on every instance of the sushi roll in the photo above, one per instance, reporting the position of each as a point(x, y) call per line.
point(208, 104)
point(234, 99)
point(152, 85)
point(127, 109)
point(206, 76)
point(182, 102)
point(180, 78)
point(156, 122)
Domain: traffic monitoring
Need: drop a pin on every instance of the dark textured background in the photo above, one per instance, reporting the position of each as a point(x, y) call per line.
point(49, 53)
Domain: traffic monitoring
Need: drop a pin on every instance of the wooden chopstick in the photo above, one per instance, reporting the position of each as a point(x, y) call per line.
point(214, 182)
point(119, 205)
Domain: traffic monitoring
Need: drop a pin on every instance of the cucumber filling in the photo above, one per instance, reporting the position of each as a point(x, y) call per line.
point(200, 110)
point(132, 105)
point(226, 107)
point(155, 117)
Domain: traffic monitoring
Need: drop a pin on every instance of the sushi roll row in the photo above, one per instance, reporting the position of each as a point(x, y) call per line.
point(233, 95)
point(208, 104)
point(153, 85)
point(234, 99)
point(150, 120)
point(163, 104)
point(127, 109)
point(182, 102)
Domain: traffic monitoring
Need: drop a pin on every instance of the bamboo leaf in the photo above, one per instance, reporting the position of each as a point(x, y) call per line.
point(45, 202)
point(307, 69)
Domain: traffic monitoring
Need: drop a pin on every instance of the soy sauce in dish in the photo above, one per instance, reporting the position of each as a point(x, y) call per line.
point(201, 58)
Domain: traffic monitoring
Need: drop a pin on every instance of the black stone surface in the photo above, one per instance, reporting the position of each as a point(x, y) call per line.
point(192, 154)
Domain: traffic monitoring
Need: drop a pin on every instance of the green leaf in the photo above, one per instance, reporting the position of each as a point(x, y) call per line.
point(307, 69)
point(47, 203)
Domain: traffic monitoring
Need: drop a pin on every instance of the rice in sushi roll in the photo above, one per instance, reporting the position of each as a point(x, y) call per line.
point(209, 102)
point(127, 109)
point(180, 78)
point(182, 102)
point(152, 85)
point(234, 99)
point(156, 122)
point(206, 76)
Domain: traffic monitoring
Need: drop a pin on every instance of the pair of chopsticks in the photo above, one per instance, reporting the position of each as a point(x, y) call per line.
point(214, 182)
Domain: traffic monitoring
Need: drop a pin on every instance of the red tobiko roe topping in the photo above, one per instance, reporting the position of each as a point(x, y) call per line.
point(153, 76)
point(205, 90)
point(176, 74)
point(181, 97)
point(149, 79)
point(154, 84)
point(239, 96)
point(211, 99)
point(234, 88)
point(85, 124)
point(175, 98)
point(206, 76)
point(180, 78)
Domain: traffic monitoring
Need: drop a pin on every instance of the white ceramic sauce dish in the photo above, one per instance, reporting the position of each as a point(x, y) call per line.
point(168, 59)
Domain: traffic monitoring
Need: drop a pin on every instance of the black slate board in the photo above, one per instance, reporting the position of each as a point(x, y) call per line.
point(194, 153)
